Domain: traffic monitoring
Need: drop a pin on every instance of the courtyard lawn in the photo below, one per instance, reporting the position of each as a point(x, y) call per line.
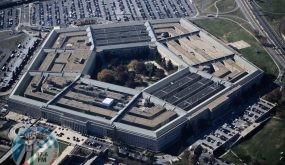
point(62, 146)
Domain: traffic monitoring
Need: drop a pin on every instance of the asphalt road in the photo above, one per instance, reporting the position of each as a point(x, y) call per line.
point(276, 39)
point(259, 22)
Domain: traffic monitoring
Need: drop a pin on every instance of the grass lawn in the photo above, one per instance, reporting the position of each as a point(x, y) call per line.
point(231, 32)
point(230, 157)
point(265, 146)
point(62, 146)
point(13, 41)
point(226, 5)
point(206, 6)
point(274, 6)
point(209, 6)
point(238, 14)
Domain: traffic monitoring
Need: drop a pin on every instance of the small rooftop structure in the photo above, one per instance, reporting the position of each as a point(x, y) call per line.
point(239, 44)
point(108, 102)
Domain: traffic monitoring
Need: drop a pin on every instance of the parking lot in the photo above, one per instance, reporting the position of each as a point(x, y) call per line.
point(12, 64)
point(97, 143)
point(9, 18)
point(68, 135)
point(63, 12)
point(236, 126)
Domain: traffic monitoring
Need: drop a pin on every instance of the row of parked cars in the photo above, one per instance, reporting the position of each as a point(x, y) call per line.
point(63, 12)
point(14, 64)
point(9, 18)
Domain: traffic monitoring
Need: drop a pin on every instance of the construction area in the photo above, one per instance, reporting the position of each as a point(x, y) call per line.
point(192, 44)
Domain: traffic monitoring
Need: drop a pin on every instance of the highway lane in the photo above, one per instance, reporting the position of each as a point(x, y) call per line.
point(246, 11)
point(258, 22)
point(271, 34)
point(276, 39)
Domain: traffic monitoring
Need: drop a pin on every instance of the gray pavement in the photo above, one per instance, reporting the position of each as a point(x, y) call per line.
point(62, 12)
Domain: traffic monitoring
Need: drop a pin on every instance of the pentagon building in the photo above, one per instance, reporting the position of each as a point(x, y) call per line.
point(57, 86)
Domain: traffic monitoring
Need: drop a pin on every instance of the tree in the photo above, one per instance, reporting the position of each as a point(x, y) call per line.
point(106, 75)
point(159, 74)
point(186, 154)
point(188, 158)
point(132, 65)
point(122, 77)
point(121, 74)
point(114, 62)
point(150, 156)
point(121, 68)
point(140, 68)
point(139, 80)
point(274, 96)
point(132, 75)
point(150, 68)
point(169, 65)
point(256, 162)
point(256, 33)
point(131, 83)
point(158, 58)
point(163, 62)
point(263, 40)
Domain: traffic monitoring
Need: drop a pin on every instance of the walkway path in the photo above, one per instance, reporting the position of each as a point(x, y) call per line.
point(237, 157)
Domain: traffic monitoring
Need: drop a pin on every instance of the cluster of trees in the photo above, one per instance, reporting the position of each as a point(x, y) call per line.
point(187, 158)
point(277, 96)
point(149, 69)
point(263, 39)
point(120, 76)
point(129, 75)
point(167, 64)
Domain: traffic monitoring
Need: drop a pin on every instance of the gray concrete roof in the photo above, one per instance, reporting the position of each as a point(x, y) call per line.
point(116, 117)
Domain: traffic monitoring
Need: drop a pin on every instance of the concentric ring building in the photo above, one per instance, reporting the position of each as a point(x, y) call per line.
point(58, 85)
